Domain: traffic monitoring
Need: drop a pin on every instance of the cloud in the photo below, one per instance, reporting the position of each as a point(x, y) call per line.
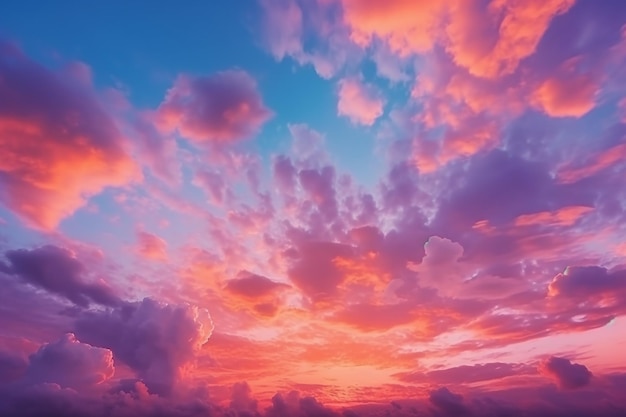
point(569, 92)
point(283, 27)
point(309, 32)
point(314, 271)
point(489, 40)
point(242, 400)
point(251, 285)
point(448, 402)
point(57, 271)
point(583, 282)
point(70, 364)
point(568, 375)
point(360, 102)
point(467, 374)
point(255, 292)
point(158, 341)
point(59, 144)
point(222, 107)
point(151, 246)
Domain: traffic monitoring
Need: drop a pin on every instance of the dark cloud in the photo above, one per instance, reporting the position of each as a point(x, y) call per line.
point(586, 281)
point(242, 401)
point(568, 375)
point(12, 367)
point(55, 270)
point(449, 403)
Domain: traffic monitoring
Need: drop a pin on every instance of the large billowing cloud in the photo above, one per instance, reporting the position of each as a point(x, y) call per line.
point(56, 270)
point(222, 107)
point(70, 364)
point(159, 341)
point(59, 144)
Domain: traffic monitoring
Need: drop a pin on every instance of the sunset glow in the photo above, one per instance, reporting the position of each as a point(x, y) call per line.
point(313, 208)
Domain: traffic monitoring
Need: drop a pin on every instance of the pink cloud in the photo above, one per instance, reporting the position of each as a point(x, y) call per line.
point(60, 146)
point(218, 108)
point(359, 102)
point(151, 246)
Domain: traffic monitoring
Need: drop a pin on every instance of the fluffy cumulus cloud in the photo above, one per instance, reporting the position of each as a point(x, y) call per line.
point(489, 39)
point(57, 270)
point(158, 341)
point(223, 107)
point(567, 374)
point(60, 146)
point(70, 363)
point(359, 102)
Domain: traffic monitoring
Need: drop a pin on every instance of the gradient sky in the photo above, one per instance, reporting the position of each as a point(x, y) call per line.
point(313, 208)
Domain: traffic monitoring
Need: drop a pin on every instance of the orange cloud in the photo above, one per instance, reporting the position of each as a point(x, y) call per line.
point(408, 26)
point(568, 93)
point(567, 216)
point(59, 145)
point(488, 41)
point(520, 26)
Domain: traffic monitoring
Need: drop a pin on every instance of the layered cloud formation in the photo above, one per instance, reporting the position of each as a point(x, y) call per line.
point(350, 208)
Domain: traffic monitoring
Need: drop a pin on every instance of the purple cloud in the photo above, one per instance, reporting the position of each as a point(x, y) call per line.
point(158, 341)
point(567, 374)
point(55, 270)
point(70, 364)
point(222, 107)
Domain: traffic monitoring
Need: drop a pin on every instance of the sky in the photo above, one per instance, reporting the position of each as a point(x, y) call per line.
point(313, 208)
